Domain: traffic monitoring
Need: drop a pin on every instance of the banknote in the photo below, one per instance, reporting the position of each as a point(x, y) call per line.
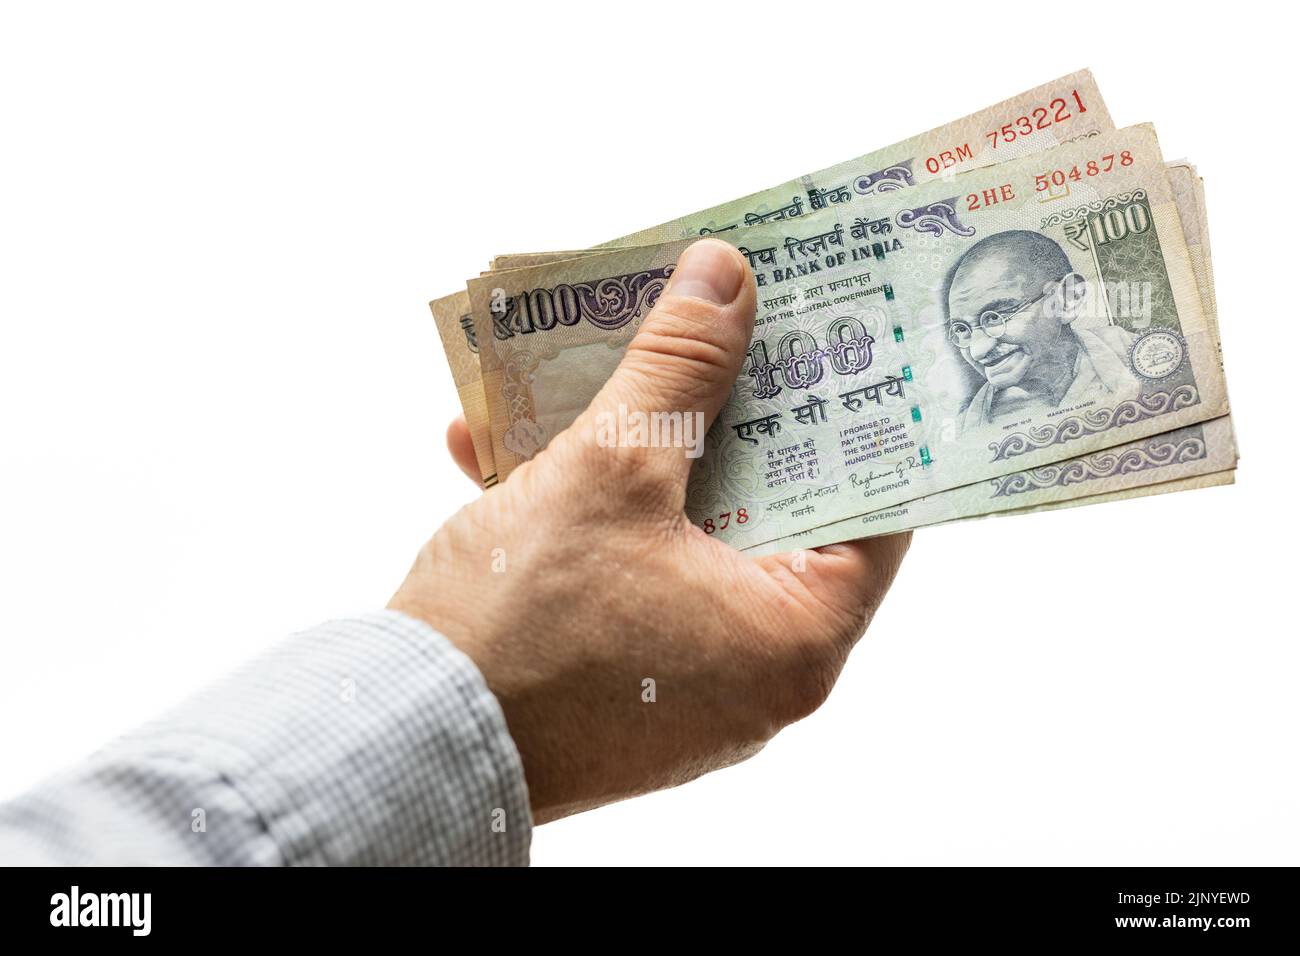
point(1159, 464)
point(1149, 466)
point(456, 330)
point(1189, 196)
point(881, 351)
point(1146, 467)
point(524, 260)
point(1216, 480)
point(1038, 119)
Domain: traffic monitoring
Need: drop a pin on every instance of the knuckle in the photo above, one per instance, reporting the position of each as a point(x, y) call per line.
point(692, 333)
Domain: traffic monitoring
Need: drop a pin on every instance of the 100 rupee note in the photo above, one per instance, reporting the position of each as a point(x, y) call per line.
point(1160, 464)
point(1180, 460)
point(456, 330)
point(1066, 108)
point(854, 386)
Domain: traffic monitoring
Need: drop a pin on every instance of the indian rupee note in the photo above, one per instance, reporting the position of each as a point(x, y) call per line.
point(1215, 480)
point(878, 350)
point(1158, 464)
point(1066, 108)
point(456, 330)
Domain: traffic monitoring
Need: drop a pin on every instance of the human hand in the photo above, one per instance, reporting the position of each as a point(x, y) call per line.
point(604, 583)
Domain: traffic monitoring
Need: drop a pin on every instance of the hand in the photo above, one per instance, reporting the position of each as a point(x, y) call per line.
point(606, 583)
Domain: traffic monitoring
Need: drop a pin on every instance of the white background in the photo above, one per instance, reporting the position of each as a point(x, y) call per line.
point(222, 398)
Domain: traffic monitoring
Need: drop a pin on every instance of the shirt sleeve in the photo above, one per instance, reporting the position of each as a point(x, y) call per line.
point(367, 741)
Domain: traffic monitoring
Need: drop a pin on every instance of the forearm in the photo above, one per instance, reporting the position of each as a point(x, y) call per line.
point(364, 741)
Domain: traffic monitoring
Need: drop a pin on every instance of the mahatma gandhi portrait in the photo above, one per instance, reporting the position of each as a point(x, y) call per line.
point(1010, 304)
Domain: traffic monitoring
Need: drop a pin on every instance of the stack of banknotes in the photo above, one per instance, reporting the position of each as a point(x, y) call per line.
point(1010, 313)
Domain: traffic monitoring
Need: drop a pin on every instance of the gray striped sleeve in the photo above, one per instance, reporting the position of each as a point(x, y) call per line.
point(368, 741)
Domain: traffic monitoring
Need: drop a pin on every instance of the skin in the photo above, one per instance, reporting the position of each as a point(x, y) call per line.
point(1035, 354)
point(607, 583)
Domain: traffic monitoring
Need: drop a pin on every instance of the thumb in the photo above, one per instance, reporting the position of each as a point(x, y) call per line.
point(685, 357)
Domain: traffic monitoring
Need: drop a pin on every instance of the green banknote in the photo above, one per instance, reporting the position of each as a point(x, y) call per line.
point(1215, 480)
point(1038, 119)
point(1152, 465)
point(1186, 459)
point(1038, 310)
point(1181, 460)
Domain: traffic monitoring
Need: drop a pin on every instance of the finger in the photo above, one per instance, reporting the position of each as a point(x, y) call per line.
point(846, 581)
point(685, 358)
point(461, 445)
